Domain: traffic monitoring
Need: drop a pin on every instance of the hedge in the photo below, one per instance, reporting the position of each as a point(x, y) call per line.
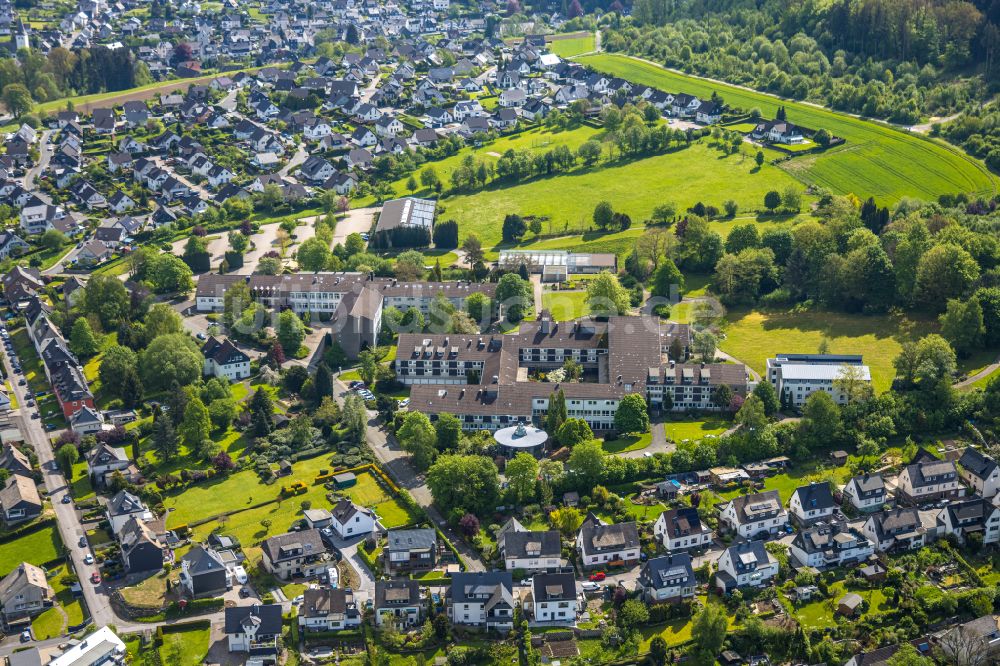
point(27, 529)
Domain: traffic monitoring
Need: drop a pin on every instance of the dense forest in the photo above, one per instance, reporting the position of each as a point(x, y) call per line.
point(64, 73)
point(901, 60)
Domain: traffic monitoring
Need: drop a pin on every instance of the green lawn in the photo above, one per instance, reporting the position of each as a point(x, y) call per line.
point(820, 614)
point(69, 613)
point(185, 648)
point(35, 548)
point(567, 201)
point(566, 48)
point(629, 443)
point(244, 488)
point(876, 160)
point(801, 475)
point(753, 336)
point(565, 305)
point(680, 428)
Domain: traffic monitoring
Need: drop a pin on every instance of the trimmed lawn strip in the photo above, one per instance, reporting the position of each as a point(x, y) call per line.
point(35, 548)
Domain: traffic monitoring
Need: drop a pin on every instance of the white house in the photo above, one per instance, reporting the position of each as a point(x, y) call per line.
point(681, 529)
point(972, 516)
point(224, 360)
point(350, 520)
point(669, 578)
point(256, 628)
point(866, 492)
point(926, 481)
point(830, 546)
point(554, 598)
point(101, 647)
point(897, 529)
point(759, 513)
point(600, 543)
point(980, 471)
point(530, 550)
point(482, 599)
point(746, 564)
point(797, 376)
point(328, 609)
point(812, 503)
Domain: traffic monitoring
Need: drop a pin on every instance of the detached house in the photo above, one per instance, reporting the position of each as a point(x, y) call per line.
point(350, 520)
point(752, 515)
point(407, 550)
point(398, 602)
point(203, 573)
point(482, 599)
point(830, 546)
point(969, 517)
point(866, 492)
point(295, 554)
point(328, 609)
point(746, 564)
point(927, 481)
point(25, 592)
point(254, 629)
point(224, 360)
point(682, 529)
point(529, 550)
point(554, 598)
point(123, 507)
point(897, 529)
point(19, 500)
point(670, 578)
point(812, 503)
point(980, 471)
point(141, 550)
point(602, 544)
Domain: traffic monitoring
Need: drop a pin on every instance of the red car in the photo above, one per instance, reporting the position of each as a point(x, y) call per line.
point(95, 578)
point(598, 576)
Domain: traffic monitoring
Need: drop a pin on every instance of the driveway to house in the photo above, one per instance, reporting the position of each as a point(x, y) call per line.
point(295, 160)
point(365, 589)
point(396, 462)
point(659, 443)
point(44, 156)
point(266, 240)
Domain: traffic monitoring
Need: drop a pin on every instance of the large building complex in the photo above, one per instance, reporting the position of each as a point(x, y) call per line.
point(487, 380)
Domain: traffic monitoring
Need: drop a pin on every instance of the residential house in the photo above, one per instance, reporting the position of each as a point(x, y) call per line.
point(927, 481)
point(530, 550)
point(554, 598)
point(832, 545)
point(601, 544)
point(407, 550)
point(254, 629)
point(976, 641)
point(970, 517)
point(681, 529)
point(399, 602)
point(980, 471)
point(101, 648)
point(14, 461)
point(140, 548)
point(104, 460)
point(203, 572)
point(745, 564)
point(812, 503)
point(295, 554)
point(669, 578)
point(11, 245)
point(224, 360)
point(350, 520)
point(19, 500)
point(25, 592)
point(123, 507)
point(896, 529)
point(328, 609)
point(482, 599)
point(866, 492)
point(755, 514)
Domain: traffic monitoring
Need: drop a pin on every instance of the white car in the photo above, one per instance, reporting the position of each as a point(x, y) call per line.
point(590, 586)
point(88, 559)
point(405, 402)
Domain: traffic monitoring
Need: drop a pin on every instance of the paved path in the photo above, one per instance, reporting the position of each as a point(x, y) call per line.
point(985, 372)
point(659, 443)
point(295, 160)
point(396, 462)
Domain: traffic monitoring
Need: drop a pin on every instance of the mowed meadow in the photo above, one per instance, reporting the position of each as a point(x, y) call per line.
point(876, 160)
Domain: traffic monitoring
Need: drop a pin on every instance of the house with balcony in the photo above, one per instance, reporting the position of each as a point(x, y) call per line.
point(755, 514)
point(295, 554)
point(866, 492)
point(927, 481)
point(667, 579)
point(399, 602)
point(896, 529)
point(482, 599)
point(970, 517)
point(409, 550)
point(828, 546)
point(745, 564)
point(554, 599)
point(255, 630)
point(530, 550)
point(328, 609)
point(681, 529)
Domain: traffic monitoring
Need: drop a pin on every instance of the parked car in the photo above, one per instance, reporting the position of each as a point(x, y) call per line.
point(26, 635)
point(82, 542)
point(598, 576)
point(88, 559)
point(67, 499)
point(405, 402)
point(95, 578)
point(590, 586)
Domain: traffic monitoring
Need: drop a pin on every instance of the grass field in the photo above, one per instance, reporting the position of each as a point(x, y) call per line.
point(36, 548)
point(565, 305)
point(566, 48)
point(876, 160)
point(819, 614)
point(685, 176)
point(630, 443)
point(694, 428)
point(69, 613)
point(185, 648)
point(244, 489)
